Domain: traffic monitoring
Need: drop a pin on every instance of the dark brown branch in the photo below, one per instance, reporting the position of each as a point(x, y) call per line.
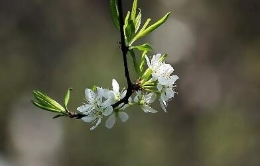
point(131, 87)
point(124, 48)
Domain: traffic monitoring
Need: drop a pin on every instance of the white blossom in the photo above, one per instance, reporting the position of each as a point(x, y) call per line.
point(97, 105)
point(162, 74)
point(155, 61)
point(119, 112)
point(111, 120)
point(144, 100)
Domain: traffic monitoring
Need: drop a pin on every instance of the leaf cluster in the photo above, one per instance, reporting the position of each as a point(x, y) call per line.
point(47, 103)
point(133, 31)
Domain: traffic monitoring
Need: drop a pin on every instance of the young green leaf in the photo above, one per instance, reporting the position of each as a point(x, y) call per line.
point(127, 19)
point(147, 74)
point(136, 66)
point(126, 28)
point(48, 102)
point(133, 12)
point(141, 67)
point(145, 25)
point(114, 13)
point(163, 57)
point(38, 104)
point(130, 31)
point(151, 28)
point(144, 47)
point(138, 21)
point(67, 98)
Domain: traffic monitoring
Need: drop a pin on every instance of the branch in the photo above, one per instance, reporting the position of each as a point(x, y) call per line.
point(131, 88)
point(124, 48)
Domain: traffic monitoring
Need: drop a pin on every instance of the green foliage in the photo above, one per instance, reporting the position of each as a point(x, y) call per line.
point(45, 102)
point(144, 47)
point(114, 13)
point(144, 31)
point(141, 67)
point(67, 98)
point(133, 12)
point(132, 22)
point(131, 30)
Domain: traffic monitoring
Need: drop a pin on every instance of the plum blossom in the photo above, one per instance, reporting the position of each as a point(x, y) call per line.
point(162, 74)
point(97, 105)
point(111, 120)
point(145, 100)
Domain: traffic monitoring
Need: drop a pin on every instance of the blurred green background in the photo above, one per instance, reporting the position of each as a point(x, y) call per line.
point(214, 46)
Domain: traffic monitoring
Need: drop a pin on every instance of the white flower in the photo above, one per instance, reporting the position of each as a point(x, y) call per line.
point(116, 96)
point(161, 73)
point(115, 91)
point(166, 93)
point(155, 61)
point(111, 120)
point(145, 100)
point(168, 81)
point(98, 105)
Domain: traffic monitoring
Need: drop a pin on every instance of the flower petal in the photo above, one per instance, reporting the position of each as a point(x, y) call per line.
point(90, 95)
point(111, 120)
point(147, 108)
point(147, 61)
point(85, 108)
point(88, 119)
point(123, 116)
point(98, 122)
point(174, 78)
point(137, 97)
point(163, 105)
point(150, 98)
point(108, 111)
point(169, 93)
point(115, 86)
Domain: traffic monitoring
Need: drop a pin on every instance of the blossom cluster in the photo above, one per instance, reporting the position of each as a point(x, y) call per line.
point(157, 82)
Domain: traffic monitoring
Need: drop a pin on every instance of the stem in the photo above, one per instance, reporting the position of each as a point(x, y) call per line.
point(124, 48)
point(131, 87)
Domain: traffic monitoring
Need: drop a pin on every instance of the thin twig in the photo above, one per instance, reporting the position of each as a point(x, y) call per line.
point(124, 48)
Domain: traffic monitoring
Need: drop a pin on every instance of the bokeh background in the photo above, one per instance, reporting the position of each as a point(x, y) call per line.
point(50, 46)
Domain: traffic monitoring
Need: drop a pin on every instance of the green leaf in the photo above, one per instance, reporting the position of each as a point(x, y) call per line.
point(130, 31)
point(141, 67)
point(145, 25)
point(147, 74)
point(126, 28)
point(127, 19)
point(37, 104)
point(163, 57)
point(114, 13)
point(48, 102)
point(67, 98)
point(42, 99)
point(138, 21)
point(151, 28)
point(133, 12)
point(132, 53)
point(94, 88)
point(144, 47)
